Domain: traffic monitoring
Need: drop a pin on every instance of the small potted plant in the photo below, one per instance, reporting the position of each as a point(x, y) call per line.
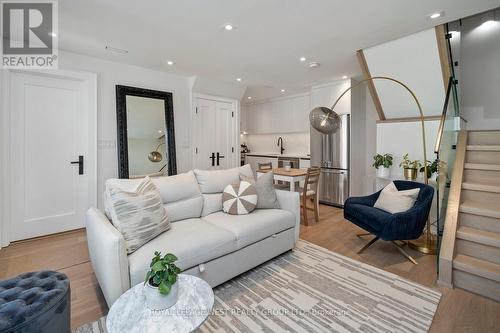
point(160, 285)
point(432, 169)
point(410, 167)
point(382, 163)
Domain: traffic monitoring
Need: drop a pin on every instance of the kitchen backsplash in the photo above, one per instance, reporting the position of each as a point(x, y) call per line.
point(268, 143)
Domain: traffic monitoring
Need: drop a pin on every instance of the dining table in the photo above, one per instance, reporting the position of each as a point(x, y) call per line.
point(291, 176)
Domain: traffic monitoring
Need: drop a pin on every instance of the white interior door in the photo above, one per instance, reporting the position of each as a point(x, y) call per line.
point(51, 126)
point(214, 122)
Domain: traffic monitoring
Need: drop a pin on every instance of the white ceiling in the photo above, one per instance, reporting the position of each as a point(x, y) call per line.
point(265, 47)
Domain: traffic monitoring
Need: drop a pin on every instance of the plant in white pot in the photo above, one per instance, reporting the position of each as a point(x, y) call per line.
point(161, 286)
point(382, 163)
point(432, 169)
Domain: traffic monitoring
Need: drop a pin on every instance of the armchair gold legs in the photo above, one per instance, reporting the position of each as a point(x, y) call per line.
point(399, 247)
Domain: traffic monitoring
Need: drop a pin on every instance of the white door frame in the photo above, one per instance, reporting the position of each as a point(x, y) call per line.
point(90, 79)
point(235, 128)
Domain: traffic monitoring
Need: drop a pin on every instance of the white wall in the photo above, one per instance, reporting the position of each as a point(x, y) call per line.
point(414, 60)
point(406, 137)
point(109, 74)
point(479, 69)
point(267, 143)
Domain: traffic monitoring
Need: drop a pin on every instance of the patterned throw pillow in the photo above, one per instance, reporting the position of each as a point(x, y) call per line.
point(239, 198)
point(138, 215)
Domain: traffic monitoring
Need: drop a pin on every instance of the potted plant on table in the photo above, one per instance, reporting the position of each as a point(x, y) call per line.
point(382, 163)
point(432, 169)
point(161, 286)
point(410, 167)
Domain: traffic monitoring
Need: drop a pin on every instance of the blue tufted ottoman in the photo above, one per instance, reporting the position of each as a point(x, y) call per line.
point(35, 302)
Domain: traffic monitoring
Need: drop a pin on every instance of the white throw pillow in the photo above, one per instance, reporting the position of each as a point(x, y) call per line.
point(393, 201)
point(139, 215)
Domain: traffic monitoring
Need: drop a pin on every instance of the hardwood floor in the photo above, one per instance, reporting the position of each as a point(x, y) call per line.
point(458, 311)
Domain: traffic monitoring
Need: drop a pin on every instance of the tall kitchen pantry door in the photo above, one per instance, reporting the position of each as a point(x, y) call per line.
point(214, 134)
point(52, 151)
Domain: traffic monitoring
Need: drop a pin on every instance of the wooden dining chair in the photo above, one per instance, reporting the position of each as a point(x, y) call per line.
point(310, 192)
point(265, 166)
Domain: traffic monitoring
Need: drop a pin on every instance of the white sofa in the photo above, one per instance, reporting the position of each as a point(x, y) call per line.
point(208, 242)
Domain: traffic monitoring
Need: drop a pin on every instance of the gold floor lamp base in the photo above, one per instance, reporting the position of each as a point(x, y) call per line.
point(424, 244)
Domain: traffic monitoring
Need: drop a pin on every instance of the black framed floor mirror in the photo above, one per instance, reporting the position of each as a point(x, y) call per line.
point(145, 129)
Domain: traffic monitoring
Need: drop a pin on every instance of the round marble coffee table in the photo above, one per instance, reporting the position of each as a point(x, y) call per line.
point(130, 313)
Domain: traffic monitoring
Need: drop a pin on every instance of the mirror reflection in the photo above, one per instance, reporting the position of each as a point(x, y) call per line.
point(147, 143)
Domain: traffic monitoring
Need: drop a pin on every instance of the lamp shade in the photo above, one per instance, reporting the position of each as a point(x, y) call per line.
point(324, 120)
point(155, 156)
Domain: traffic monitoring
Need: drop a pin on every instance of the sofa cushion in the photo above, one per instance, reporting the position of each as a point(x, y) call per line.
point(212, 203)
point(214, 181)
point(239, 198)
point(180, 194)
point(253, 227)
point(193, 241)
point(139, 215)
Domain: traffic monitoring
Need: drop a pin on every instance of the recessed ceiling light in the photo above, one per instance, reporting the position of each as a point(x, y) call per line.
point(249, 97)
point(488, 24)
point(238, 79)
point(283, 90)
point(314, 64)
point(116, 50)
point(159, 131)
point(436, 15)
point(228, 27)
point(344, 77)
point(53, 34)
point(170, 62)
point(302, 59)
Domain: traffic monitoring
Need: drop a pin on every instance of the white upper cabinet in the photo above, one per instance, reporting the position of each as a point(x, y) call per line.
point(325, 95)
point(283, 115)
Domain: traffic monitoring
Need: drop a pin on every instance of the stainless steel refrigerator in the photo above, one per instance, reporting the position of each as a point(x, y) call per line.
point(332, 153)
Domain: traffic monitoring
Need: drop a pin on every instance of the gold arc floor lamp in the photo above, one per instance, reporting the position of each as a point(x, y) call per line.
point(326, 121)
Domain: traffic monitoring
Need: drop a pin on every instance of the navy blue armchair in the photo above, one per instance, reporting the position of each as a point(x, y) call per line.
point(391, 227)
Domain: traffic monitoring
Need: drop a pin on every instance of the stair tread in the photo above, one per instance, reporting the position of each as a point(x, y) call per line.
point(484, 147)
point(477, 266)
point(481, 166)
point(479, 208)
point(475, 186)
point(479, 236)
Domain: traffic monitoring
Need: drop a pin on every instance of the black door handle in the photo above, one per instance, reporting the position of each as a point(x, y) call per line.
point(219, 156)
point(213, 159)
point(80, 164)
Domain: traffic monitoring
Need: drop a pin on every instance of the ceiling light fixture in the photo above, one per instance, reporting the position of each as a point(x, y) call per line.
point(302, 59)
point(436, 15)
point(314, 64)
point(238, 79)
point(116, 50)
point(283, 90)
point(345, 77)
point(249, 97)
point(170, 62)
point(228, 27)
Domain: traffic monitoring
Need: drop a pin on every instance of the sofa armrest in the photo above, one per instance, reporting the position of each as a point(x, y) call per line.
point(108, 255)
point(290, 201)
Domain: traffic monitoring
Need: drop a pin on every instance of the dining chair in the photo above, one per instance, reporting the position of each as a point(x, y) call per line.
point(269, 166)
point(310, 192)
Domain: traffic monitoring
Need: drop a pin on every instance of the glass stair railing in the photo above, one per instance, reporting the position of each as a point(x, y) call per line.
point(445, 149)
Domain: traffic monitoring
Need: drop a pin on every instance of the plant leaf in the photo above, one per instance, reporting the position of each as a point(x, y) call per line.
point(164, 287)
point(158, 266)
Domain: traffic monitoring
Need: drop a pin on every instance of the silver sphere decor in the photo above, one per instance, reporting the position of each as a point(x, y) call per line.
point(324, 120)
point(155, 157)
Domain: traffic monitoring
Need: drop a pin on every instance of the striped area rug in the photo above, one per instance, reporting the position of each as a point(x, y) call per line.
point(312, 289)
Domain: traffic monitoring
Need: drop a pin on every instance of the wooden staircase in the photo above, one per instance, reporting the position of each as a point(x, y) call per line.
point(475, 264)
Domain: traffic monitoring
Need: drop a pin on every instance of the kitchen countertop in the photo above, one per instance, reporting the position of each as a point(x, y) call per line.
point(293, 155)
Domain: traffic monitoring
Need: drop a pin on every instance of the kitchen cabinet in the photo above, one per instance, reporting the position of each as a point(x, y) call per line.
point(283, 115)
point(325, 95)
point(243, 118)
point(304, 164)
